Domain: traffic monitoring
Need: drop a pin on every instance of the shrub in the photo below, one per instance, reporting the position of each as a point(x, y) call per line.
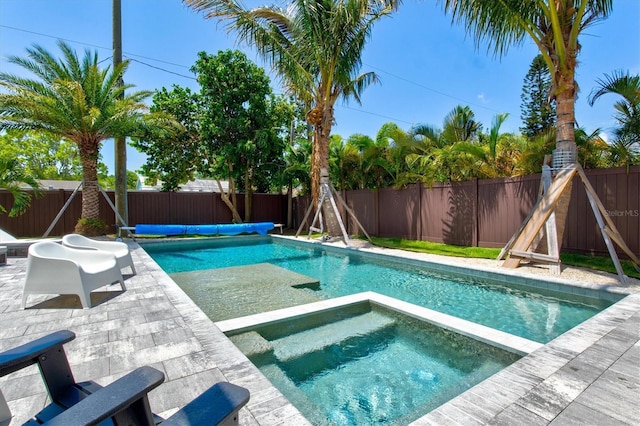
point(91, 227)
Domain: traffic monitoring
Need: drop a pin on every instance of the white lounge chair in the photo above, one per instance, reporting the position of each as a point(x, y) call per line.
point(55, 269)
point(18, 247)
point(119, 249)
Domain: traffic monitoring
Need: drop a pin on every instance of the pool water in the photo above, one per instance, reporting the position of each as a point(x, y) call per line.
point(369, 366)
point(533, 314)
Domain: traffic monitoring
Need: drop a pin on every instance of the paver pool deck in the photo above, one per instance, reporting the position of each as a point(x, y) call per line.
point(588, 376)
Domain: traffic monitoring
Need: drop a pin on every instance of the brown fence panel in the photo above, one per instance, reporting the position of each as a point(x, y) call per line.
point(149, 207)
point(447, 214)
point(399, 212)
point(364, 204)
point(191, 208)
point(434, 203)
point(43, 210)
point(269, 208)
point(619, 193)
point(300, 206)
point(502, 206)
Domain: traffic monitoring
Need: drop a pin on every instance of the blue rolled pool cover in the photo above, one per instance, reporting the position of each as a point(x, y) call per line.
point(224, 229)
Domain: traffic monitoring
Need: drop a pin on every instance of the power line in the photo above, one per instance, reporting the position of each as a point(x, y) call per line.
point(430, 88)
point(376, 114)
point(162, 69)
point(92, 45)
point(129, 56)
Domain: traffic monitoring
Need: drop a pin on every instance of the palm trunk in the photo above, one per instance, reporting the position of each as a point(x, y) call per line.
point(320, 155)
point(565, 111)
point(90, 192)
point(565, 134)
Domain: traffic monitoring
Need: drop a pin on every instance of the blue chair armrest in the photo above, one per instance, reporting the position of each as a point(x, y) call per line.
point(124, 400)
point(23, 356)
point(217, 405)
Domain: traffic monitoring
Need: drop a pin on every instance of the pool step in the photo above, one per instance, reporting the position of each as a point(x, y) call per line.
point(318, 338)
point(252, 344)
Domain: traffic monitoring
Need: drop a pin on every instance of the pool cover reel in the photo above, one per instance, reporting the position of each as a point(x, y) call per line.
point(224, 229)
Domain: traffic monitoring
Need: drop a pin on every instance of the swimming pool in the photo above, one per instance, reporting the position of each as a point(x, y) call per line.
point(533, 313)
point(361, 365)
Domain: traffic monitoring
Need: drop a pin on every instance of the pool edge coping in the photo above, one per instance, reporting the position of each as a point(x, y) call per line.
point(484, 334)
point(443, 263)
point(505, 390)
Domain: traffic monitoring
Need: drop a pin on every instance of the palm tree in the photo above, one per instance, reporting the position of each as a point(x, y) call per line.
point(75, 100)
point(451, 154)
point(315, 46)
point(553, 25)
point(12, 178)
point(627, 109)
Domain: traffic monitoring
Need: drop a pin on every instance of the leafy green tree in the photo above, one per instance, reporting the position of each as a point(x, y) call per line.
point(77, 100)
point(232, 128)
point(315, 46)
point(109, 181)
point(553, 25)
point(11, 178)
point(297, 171)
point(508, 153)
point(538, 114)
point(41, 155)
point(240, 126)
point(174, 158)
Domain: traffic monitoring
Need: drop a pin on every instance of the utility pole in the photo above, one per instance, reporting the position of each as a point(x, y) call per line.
point(120, 142)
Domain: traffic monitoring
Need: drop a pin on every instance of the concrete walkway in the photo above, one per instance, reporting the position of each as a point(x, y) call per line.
point(589, 375)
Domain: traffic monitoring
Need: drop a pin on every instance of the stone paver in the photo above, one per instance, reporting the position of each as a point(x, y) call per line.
point(589, 375)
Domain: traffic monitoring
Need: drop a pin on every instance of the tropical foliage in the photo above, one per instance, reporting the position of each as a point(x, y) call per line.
point(625, 149)
point(14, 179)
point(76, 100)
point(429, 154)
point(315, 47)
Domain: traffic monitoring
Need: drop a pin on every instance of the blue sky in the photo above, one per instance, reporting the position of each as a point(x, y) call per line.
point(426, 65)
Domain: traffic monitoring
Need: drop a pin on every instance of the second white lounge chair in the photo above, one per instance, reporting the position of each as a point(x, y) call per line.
point(119, 249)
point(55, 269)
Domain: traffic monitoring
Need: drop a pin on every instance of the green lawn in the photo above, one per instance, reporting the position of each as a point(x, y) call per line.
point(599, 263)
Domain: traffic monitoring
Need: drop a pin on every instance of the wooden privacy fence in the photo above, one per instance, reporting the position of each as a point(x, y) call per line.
point(189, 208)
point(486, 213)
point(482, 213)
